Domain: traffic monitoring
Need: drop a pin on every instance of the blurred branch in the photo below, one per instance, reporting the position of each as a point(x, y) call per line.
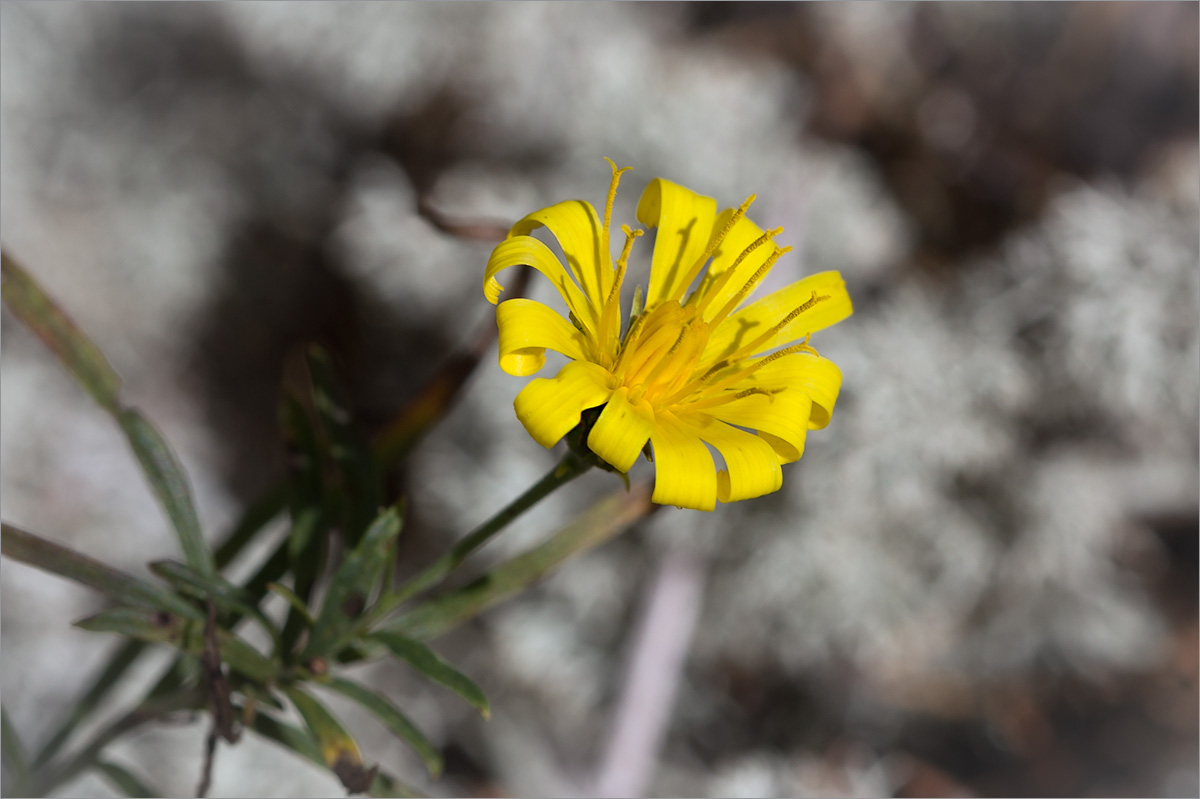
point(656, 660)
point(486, 230)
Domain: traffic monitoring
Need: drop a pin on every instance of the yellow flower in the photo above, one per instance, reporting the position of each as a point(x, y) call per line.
point(688, 371)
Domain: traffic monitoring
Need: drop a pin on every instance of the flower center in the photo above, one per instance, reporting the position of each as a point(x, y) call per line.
point(660, 352)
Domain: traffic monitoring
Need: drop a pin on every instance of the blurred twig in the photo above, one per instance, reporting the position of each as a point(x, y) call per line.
point(487, 230)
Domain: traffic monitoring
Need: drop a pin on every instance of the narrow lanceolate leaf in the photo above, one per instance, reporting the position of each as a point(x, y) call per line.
point(306, 542)
point(89, 366)
point(57, 559)
point(301, 742)
point(361, 483)
point(15, 759)
point(125, 781)
point(393, 719)
point(598, 524)
point(227, 596)
point(77, 353)
point(426, 661)
point(183, 634)
point(118, 662)
point(338, 750)
point(387, 785)
point(352, 584)
point(288, 736)
point(170, 485)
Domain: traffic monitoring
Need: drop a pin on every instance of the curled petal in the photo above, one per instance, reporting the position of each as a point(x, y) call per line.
point(752, 465)
point(818, 377)
point(550, 407)
point(781, 419)
point(577, 227)
point(743, 327)
point(622, 430)
point(684, 474)
point(528, 251)
point(527, 330)
point(685, 223)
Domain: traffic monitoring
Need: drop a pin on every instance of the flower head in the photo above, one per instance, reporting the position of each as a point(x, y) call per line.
point(689, 369)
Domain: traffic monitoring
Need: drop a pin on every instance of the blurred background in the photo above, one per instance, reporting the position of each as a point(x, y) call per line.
point(981, 579)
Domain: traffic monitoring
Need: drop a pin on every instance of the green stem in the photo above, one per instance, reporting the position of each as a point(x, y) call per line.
point(567, 470)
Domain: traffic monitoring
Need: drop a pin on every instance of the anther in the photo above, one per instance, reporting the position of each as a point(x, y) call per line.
point(749, 349)
point(758, 275)
point(608, 203)
point(712, 246)
point(611, 305)
point(704, 297)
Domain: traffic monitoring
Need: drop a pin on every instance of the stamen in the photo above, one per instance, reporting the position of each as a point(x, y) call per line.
point(643, 383)
point(608, 205)
point(698, 385)
point(706, 295)
point(760, 363)
point(613, 304)
point(736, 300)
point(712, 246)
point(749, 349)
point(725, 399)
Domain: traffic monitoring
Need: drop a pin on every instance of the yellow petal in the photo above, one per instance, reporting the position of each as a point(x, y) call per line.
point(622, 430)
point(528, 251)
point(549, 408)
point(752, 465)
point(685, 222)
point(736, 240)
point(527, 330)
point(577, 227)
point(754, 320)
point(781, 419)
point(684, 474)
point(819, 378)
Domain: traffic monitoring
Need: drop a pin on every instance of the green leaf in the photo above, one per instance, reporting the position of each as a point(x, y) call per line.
point(75, 350)
point(387, 785)
point(253, 520)
point(426, 661)
point(118, 662)
point(338, 750)
point(306, 542)
point(125, 781)
point(393, 719)
point(362, 485)
point(57, 559)
point(11, 749)
point(604, 520)
point(297, 604)
point(170, 484)
point(227, 596)
point(89, 366)
point(288, 736)
point(299, 741)
point(164, 628)
point(255, 517)
point(352, 584)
